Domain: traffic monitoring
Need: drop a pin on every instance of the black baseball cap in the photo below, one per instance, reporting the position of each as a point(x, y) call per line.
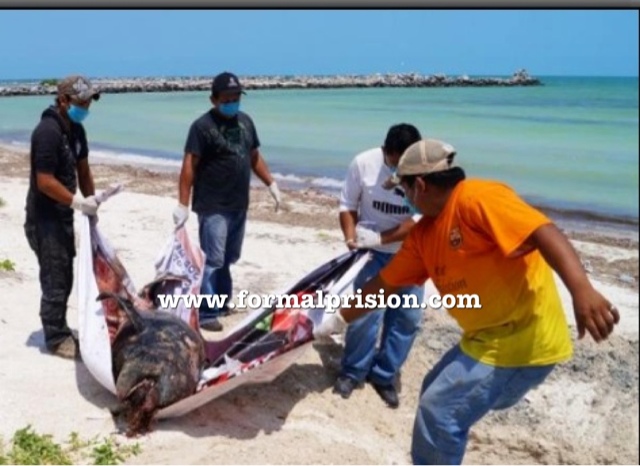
point(226, 82)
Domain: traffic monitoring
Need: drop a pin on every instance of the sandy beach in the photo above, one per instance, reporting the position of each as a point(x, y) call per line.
point(585, 413)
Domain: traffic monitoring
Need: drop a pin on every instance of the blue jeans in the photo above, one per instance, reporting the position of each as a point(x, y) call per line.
point(221, 236)
point(456, 394)
point(400, 326)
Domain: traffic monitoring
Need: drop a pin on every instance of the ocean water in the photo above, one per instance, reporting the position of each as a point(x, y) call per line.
point(571, 144)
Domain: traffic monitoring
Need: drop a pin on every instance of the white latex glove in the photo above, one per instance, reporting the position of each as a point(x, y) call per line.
point(86, 205)
point(180, 215)
point(366, 238)
point(334, 324)
point(275, 193)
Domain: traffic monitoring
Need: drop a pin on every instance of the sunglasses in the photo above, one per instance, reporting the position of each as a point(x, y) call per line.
point(78, 102)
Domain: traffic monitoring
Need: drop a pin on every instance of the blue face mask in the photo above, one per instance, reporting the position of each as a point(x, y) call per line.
point(229, 109)
point(77, 114)
point(413, 210)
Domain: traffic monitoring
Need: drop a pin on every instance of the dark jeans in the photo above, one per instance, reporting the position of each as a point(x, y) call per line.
point(221, 237)
point(361, 357)
point(53, 243)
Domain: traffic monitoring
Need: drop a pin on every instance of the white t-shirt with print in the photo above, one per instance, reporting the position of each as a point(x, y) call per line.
point(362, 192)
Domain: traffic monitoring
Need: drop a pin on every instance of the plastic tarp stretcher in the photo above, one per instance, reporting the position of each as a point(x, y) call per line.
point(258, 349)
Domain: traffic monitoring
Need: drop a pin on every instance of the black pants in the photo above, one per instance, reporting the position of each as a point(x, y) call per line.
point(53, 243)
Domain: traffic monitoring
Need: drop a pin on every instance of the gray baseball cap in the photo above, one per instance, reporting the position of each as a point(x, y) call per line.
point(426, 156)
point(421, 158)
point(79, 87)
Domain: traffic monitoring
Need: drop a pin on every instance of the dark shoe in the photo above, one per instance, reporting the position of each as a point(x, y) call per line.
point(388, 393)
point(211, 324)
point(344, 385)
point(227, 311)
point(68, 349)
point(209, 314)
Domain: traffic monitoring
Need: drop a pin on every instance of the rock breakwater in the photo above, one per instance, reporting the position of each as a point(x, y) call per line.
point(178, 84)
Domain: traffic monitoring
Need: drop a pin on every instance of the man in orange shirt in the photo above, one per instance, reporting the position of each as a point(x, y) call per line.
point(479, 237)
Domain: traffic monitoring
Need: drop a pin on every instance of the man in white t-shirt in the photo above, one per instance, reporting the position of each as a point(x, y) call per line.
point(379, 219)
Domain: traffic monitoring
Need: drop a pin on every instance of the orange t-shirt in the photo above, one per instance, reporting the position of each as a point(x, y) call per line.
point(475, 246)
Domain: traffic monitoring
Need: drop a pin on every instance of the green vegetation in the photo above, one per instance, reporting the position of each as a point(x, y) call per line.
point(110, 452)
point(7, 265)
point(323, 236)
point(29, 447)
point(49, 82)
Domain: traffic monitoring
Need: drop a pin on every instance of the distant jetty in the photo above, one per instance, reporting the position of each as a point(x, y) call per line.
point(178, 84)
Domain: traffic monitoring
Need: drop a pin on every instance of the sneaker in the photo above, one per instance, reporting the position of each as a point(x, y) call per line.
point(344, 386)
point(211, 324)
point(388, 393)
point(68, 349)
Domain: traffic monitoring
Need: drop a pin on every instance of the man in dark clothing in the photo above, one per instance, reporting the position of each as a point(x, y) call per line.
point(59, 153)
point(221, 151)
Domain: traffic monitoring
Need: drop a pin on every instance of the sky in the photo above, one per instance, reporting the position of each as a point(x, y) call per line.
point(119, 43)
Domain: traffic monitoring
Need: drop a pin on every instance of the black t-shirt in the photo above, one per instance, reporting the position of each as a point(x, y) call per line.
point(55, 149)
point(224, 146)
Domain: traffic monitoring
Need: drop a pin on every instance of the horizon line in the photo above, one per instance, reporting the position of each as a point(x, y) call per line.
point(254, 75)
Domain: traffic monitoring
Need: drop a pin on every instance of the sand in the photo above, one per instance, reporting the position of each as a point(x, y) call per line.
point(586, 412)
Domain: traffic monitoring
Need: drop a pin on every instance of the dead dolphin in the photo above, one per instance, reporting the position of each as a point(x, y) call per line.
point(157, 360)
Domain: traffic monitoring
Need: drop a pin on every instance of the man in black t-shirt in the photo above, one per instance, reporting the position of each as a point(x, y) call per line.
point(221, 151)
point(59, 165)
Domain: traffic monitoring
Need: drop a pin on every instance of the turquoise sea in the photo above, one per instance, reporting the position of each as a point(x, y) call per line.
point(571, 144)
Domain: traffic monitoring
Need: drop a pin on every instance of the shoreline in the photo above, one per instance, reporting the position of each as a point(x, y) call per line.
point(181, 84)
point(579, 221)
point(313, 208)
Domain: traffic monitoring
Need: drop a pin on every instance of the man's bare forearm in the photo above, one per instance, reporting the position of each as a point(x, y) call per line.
point(85, 178)
point(185, 183)
point(374, 286)
point(348, 220)
point(561, 257)
point(260, 168)
point(397, 233)
point(49, 185)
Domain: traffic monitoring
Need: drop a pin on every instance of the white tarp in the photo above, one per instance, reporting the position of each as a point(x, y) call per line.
point(248, 353)
point(93, 332)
